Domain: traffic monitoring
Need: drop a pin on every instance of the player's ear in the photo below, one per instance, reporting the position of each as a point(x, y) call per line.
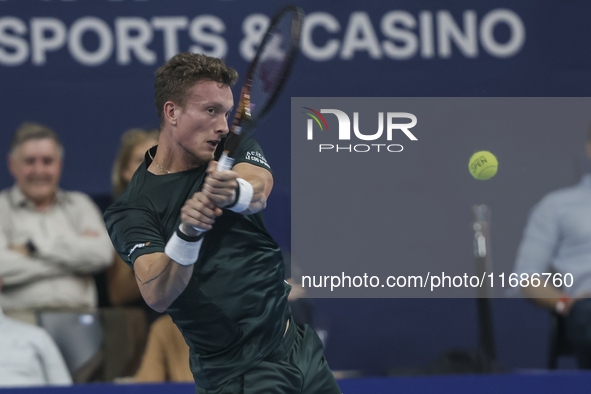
point(170, 112)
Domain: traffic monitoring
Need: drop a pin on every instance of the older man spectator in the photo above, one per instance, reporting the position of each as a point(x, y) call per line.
point(51, 241)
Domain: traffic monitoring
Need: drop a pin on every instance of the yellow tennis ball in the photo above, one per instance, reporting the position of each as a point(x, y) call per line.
point(483, 165)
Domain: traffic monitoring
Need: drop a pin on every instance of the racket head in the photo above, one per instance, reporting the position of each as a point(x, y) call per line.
point(267, 74)
point(273, 61)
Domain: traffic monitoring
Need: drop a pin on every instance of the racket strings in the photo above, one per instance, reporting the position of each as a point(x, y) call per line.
point(267, 74)
point(272, 64)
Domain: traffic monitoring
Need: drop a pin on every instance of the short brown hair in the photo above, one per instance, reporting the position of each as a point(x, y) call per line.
point(182, 71)
point(33, 131)
point(129, 140)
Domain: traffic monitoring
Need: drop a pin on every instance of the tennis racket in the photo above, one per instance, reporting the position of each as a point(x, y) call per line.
point(265, 78)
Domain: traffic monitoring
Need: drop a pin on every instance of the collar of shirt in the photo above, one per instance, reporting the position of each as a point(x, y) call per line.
point(18, 199)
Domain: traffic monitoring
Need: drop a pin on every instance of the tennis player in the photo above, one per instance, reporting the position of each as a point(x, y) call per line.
point(200, 251)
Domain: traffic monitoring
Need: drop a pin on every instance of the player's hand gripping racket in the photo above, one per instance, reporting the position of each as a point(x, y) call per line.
point(265, 78)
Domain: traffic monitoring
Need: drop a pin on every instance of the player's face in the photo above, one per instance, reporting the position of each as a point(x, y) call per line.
point(204, 120)
point(37, 166)
point(137, 158)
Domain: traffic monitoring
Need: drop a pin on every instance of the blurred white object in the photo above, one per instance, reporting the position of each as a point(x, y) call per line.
point(29, 357)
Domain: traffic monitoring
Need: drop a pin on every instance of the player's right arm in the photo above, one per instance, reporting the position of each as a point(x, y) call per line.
point(162, 277)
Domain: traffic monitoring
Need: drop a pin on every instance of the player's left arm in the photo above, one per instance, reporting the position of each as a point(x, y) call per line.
point(244, 189)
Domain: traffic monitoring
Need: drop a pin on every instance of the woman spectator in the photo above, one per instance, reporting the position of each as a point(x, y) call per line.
point(166, 357)
point(122, 287)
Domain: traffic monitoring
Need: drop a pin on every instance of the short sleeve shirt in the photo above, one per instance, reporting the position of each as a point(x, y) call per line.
point(234, 309)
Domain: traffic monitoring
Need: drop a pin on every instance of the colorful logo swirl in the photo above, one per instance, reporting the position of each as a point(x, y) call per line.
point(316, 118)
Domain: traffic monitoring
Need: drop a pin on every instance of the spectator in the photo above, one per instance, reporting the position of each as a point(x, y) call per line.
point(122, 287)
point(557, 239)
point(167, 355)
point(51, 241)
point(29, 357)
point(126, 325)
point(302, 309)
point(134, 145)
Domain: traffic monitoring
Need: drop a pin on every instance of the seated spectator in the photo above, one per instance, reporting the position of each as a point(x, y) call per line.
point(557, 239)
point(167, 355)
point(122, 286)
point(51, 241)
point(28, 356)
point(127, 324)
point(302, 309)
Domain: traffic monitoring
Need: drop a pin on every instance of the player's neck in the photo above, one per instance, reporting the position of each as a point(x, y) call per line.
point(171, 158)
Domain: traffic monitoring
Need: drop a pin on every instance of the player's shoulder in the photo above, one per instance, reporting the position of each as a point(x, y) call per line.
point(251, 152)
point(138, 189)
point(249, 140)
point(140, 199)
point(129, 200)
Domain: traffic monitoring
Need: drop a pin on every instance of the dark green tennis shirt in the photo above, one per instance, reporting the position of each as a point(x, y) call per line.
point(234, 309)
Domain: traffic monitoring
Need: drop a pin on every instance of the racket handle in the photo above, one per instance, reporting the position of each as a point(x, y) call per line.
point(225, 162)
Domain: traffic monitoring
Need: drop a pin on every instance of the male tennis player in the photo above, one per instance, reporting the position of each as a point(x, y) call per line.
point(196, 240)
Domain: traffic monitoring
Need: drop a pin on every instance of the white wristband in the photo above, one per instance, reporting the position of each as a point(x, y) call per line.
point(244, 194)
point(182, 248)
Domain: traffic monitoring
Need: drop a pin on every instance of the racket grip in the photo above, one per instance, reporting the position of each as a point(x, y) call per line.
point(225, 162)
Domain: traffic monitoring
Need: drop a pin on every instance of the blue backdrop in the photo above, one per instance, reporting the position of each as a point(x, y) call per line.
point(85, 68)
